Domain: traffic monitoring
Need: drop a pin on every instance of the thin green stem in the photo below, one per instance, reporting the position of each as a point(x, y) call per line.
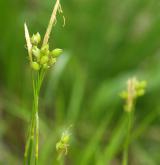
point(30, 137)
point(61, 161)
point(36, 101)
point(37, 138)
point(34, 124)
point(128, 137)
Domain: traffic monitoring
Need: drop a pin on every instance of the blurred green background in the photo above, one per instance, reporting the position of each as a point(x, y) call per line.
point(105, 42)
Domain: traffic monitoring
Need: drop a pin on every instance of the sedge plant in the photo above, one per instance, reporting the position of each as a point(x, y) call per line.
point(41, 58)
point(134, 90)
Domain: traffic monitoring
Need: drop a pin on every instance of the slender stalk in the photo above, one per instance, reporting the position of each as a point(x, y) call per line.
point(38, 87)
point(34, 124)
point(61, 161)
point(128, 137)
point(37, 138)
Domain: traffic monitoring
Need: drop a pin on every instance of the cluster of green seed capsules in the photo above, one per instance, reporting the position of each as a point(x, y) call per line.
point(42, 58)
point(63, 144)
point(134, 90)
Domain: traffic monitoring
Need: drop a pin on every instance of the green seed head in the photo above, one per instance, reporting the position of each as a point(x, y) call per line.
point(56, 52)
point(65, 138)
point(35, 66)
point(36, 39)
point(141, 85)
point(45, 49)
point(58, 146)
point(63, 144)
point(45, 66)
point(140, 92)
point(52, 61)
point(44, 59)
point(134, 90)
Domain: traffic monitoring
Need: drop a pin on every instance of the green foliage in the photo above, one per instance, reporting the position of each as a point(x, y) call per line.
point(105, 43)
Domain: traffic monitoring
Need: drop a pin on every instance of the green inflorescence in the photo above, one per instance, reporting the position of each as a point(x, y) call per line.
point(42, 57)
point(63, 144)
point(134, 90)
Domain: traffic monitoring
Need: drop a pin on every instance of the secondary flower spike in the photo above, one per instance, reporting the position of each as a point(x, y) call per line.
point(63, 144)
point(134, 90)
